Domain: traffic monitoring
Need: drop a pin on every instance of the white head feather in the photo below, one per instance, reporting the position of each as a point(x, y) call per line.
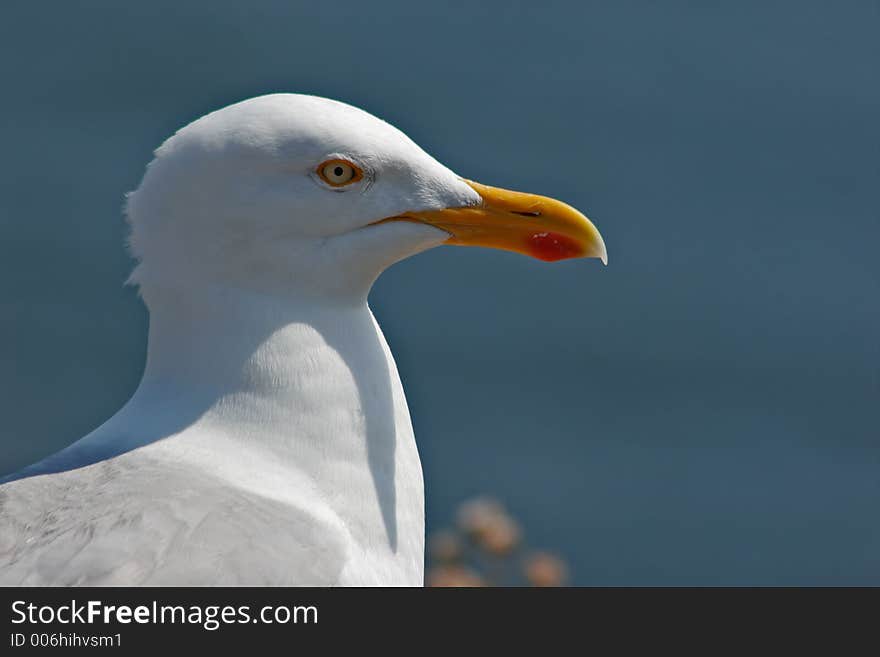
point(234, 196)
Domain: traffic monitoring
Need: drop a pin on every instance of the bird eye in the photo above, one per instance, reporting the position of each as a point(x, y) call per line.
point(338, 173)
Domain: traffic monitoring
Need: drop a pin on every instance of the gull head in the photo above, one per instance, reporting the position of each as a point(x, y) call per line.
point(291, 193)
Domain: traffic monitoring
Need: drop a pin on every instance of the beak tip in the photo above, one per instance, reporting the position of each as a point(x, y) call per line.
point(601, 251)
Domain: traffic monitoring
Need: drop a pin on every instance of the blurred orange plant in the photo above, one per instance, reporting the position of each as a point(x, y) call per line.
point(487, 548)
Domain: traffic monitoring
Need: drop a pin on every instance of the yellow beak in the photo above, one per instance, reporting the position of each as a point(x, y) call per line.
point(533, 225)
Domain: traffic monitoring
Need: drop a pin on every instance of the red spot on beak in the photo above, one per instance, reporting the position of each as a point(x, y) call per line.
point(553, 246)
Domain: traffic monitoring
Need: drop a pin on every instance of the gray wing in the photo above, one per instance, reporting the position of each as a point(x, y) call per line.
point(133, 520)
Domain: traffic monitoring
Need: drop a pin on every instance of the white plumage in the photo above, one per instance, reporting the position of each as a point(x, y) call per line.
point(269, 441)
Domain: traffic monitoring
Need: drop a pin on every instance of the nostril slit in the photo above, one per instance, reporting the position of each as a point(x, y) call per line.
point(534, 213)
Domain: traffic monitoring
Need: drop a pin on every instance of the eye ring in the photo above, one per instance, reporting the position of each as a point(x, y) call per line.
point(337, 172)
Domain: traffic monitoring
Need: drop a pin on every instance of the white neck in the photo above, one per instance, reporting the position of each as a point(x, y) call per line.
point(291, 397)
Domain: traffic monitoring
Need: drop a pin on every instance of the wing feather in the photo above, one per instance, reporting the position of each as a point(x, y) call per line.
point(135, 520)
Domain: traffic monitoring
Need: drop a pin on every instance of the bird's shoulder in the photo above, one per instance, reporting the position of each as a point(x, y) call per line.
point(135, 520)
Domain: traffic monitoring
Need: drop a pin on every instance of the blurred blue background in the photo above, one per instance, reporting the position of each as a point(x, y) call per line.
point(702, 411)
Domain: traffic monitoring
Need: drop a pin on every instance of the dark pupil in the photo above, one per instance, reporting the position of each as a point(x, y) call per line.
point(338, 171)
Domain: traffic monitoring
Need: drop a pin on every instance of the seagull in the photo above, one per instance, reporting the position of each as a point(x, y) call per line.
point(269, 441)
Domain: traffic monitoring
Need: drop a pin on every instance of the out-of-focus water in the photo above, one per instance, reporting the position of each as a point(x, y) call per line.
point(702, 411)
